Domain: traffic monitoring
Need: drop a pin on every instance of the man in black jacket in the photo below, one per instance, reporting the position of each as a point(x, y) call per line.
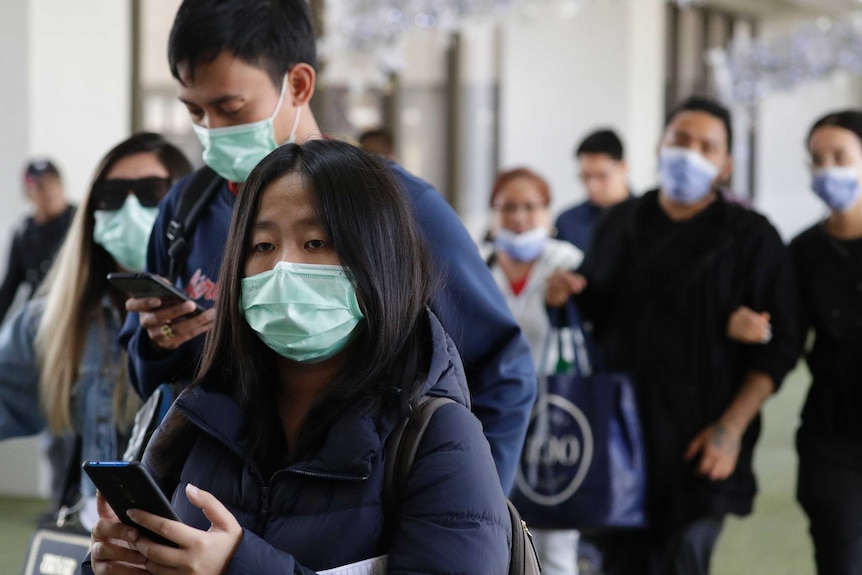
point(664, 276)
point(39, 236)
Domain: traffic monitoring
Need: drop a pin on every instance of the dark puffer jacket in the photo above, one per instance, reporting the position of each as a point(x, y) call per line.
point(327, 511)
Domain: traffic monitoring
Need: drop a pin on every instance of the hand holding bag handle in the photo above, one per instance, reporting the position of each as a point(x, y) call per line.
point(583, 462)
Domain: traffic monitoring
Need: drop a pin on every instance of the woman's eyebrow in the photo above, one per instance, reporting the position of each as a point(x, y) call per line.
point(263, 225)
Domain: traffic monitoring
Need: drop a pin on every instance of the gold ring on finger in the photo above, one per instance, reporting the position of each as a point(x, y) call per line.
point(167, 331)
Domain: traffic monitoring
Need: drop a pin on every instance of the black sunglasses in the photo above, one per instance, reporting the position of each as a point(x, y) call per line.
point(111, 194)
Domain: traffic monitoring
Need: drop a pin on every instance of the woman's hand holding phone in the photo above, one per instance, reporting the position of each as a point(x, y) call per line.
point(170, 327)
point(119, 550)
point(112, 547)
point(199, 552)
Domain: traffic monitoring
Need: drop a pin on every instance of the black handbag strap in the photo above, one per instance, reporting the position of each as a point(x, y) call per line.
point(189, 210)
point(72, 480)
point(71, 491)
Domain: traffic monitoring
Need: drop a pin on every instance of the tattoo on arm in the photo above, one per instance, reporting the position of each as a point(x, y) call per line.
point(720, 440)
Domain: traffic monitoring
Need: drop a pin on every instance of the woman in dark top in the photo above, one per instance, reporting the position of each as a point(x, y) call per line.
point(828, 257)
point(274, 456)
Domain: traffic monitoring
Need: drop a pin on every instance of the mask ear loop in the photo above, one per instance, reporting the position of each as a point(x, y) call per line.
point(280, 97)
point(292, 138)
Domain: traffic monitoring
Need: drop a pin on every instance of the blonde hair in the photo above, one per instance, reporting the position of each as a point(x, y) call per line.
point(62, 333)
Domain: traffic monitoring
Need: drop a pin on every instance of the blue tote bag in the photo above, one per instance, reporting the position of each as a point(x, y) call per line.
point(583, 463)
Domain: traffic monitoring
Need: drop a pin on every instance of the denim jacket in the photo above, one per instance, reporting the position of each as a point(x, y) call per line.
point(100, 371)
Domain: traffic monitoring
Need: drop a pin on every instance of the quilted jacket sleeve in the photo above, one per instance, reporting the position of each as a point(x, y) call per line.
point(255, 556)
point(453, 518)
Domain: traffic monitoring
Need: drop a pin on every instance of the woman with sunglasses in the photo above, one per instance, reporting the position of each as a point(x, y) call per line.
point(60, 365)
point(274, 457)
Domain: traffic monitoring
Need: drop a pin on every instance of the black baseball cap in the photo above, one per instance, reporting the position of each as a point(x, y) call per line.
point(40, 167)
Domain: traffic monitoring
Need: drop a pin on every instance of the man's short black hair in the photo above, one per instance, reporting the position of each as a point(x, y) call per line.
point(376, 133)
point(383, 138)
point(708, 106)
point(602, 142)
point(273, 35)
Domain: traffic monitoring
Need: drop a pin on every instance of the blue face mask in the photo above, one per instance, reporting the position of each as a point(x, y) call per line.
point(233, 152)
point(304, 312)
point(838, 187)
point(525, 247)
point(685, 176)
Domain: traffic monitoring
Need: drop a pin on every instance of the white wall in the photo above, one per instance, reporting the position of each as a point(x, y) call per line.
point(476, 127)
point(157, 18)
point(80, 83)
point(67, 95)
point(15, 139)
point(564, 77)
point(421, 129)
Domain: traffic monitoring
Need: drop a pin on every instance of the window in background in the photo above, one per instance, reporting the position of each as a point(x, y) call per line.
point(155, 107)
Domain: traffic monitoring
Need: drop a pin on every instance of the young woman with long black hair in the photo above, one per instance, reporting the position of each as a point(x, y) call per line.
point(275, 455)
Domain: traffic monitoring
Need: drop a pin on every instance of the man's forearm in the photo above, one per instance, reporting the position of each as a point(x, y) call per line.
point(747, 404)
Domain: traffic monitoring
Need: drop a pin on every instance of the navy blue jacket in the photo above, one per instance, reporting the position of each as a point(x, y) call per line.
point(576, 225)
point(496, 356)
point(326, 510)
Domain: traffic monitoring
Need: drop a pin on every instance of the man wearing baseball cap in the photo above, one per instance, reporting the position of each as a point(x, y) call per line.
point(38, 237)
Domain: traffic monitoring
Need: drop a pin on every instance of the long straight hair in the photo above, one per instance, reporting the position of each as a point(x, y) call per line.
point(365, 214)
point(75, 286)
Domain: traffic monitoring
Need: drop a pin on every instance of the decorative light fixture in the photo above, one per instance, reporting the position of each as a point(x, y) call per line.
point(361, 36)
point(747, 70)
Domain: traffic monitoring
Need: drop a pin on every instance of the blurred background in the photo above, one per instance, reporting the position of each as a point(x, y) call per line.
point(467, 88)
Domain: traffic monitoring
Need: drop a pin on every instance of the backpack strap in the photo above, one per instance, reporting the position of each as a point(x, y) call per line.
point(402, 445)
point(194, 196)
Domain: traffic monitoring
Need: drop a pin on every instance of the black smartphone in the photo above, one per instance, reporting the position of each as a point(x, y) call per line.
point(145, 284)
point(127, 485)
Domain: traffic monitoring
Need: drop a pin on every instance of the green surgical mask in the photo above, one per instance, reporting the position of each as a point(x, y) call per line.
point(304, 312)
point(233, 152)
point(125, 233)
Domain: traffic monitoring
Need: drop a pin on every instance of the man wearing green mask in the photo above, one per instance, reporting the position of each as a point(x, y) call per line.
point(245, 70)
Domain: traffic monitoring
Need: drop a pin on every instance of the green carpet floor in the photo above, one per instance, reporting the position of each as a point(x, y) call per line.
point(17, 523)
point(773, 541)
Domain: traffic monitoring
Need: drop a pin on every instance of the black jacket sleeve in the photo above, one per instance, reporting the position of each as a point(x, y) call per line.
point(14, 276)
point(772, 288)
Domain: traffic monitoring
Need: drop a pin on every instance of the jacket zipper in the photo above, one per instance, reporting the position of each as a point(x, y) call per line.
point(263, 516)
point(321, 475)
point(264, 488)
point(264, 511)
